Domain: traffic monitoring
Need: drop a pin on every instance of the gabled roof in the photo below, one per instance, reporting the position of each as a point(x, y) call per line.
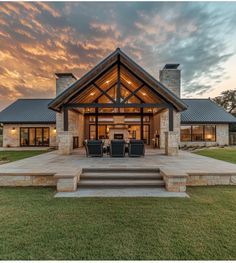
point(28, 111)
point(205, 111)
point(113, 58)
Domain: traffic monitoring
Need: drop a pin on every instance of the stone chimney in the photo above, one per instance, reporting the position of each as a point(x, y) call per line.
point(63, 81)
point(170, 76)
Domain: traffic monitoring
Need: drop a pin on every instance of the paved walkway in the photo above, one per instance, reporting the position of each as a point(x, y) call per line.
point(122, 192)
point(52, 162)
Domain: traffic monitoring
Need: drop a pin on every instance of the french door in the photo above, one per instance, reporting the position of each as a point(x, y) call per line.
point(34, 136)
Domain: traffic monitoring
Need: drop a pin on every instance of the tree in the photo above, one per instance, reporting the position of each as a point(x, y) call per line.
point(227, 99)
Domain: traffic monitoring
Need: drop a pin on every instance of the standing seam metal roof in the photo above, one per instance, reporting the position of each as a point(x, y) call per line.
point(205, 111)
point(28, 111)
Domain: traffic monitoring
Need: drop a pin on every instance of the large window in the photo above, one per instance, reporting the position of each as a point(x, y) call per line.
point(210, 133)
point(34, 136)
point(185, 133)
point(198, 133)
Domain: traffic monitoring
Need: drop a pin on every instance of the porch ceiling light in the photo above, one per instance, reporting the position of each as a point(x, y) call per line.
point(107, 81)
point(92, 94)
point(144, 94)
point(129, 82)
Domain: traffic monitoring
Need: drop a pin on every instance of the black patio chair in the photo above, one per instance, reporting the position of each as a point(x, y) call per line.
point(136, 148)
point(117, 148)
point(94, 148)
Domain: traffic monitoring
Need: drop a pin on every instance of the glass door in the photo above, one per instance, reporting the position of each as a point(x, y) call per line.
point(31, 136)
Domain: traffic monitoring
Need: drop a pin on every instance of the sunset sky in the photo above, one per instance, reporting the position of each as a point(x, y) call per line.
point(38, 39)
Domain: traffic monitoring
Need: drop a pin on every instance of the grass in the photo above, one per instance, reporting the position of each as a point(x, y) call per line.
point(18, 155)
point(34, 225)
point(224, 154)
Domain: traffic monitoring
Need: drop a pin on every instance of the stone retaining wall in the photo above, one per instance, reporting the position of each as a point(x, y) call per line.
point(211, 179)
point(27, 180)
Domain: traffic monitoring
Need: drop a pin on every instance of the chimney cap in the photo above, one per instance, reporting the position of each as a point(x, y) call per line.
point(171, 66)
point(65, 74)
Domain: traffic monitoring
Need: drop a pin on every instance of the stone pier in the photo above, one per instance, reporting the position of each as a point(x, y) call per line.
point(171, 143)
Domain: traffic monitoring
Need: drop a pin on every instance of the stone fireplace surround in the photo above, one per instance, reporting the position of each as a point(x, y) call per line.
point(118, 130)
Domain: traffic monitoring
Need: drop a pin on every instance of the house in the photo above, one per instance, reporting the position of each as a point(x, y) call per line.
point(117, 99)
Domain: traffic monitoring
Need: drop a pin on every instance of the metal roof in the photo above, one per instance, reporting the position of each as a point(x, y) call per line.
point(28, 111)
point(36, 111)
point(205, 111)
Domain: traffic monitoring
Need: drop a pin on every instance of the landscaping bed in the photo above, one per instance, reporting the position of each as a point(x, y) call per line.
point(35, 225)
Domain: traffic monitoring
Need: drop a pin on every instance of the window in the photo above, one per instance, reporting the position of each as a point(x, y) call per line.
point(185, 133)
point(197, 133)
point(210, 133)
point(34, 136)
point(146, 134)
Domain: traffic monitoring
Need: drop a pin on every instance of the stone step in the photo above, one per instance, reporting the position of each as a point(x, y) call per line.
point(121, 183)
point(120, 170)
point(120, 176)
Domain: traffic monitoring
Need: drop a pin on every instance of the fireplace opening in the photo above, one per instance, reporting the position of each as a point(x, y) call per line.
point(118, 136)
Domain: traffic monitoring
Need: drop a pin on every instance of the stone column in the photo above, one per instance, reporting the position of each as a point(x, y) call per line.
point(171, 143)
point(65, 142)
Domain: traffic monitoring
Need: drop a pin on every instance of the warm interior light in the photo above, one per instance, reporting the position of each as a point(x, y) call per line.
point(209, 136)
point(129, 82)
point(92, 93)
point(144, 94)
point(107, 81)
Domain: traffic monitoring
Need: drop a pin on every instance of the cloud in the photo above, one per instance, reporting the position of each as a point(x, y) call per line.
point(40, 38)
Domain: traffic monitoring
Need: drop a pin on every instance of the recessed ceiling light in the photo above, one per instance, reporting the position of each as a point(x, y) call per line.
point(92, 93)
point(107, 81)
point(129, 82)
point(144, 94)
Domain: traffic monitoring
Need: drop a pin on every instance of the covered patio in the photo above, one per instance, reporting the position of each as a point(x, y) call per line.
point(116, 100)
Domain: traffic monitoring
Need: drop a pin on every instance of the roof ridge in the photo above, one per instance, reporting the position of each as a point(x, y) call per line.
point(35, 99)
point(196, 99)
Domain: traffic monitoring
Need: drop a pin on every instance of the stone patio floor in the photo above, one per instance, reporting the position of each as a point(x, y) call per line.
point(52, 162)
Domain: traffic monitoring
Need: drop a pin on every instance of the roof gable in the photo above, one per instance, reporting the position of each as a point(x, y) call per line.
point(103, 67)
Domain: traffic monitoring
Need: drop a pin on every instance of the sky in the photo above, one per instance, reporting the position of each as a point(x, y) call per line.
point(38, 39)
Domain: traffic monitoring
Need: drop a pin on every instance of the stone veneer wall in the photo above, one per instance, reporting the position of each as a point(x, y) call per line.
point(211, 179)
point(27, 180)
point(164, 126)
point(76, 127)
point(222, 137)
point(171, 78)
point(12, 138)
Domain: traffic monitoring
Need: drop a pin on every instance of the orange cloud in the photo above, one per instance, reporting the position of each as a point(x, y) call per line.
point(48, 8)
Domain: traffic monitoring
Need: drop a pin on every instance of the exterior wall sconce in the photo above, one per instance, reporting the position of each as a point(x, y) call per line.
point(55, 129)
point(13, 130)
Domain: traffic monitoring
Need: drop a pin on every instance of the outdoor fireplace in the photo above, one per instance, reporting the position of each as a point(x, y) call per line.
point(118, 136)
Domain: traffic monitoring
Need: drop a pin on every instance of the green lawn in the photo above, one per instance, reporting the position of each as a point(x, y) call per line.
point(224, 154)
point(17, 155)
point(34, 225)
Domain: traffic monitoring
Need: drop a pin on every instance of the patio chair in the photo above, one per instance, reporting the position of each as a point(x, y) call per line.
point(136, 148)
point(117, 148)
point(94, 148)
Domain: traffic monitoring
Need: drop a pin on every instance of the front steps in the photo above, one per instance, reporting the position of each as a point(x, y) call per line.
point(120, 178)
